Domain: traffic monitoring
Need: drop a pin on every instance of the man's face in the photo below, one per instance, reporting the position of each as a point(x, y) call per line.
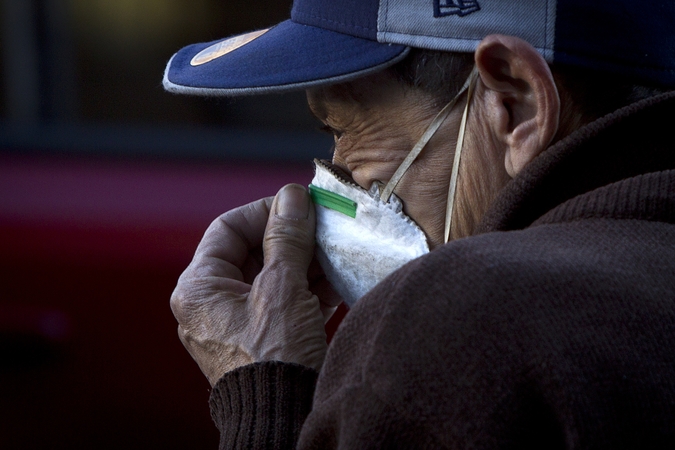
point(376, 121)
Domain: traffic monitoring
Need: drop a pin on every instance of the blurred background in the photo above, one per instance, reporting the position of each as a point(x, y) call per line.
point(106, 186)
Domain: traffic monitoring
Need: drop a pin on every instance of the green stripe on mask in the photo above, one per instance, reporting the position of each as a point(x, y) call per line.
point(332, 200)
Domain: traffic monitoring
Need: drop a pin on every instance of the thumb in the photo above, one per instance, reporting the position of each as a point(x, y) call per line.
point(289, 236)
point(286, 316)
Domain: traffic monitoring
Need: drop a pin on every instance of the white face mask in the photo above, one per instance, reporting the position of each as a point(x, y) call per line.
point(363, 236)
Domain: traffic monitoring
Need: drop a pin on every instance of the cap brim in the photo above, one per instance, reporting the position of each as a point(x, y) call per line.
point(290, 56)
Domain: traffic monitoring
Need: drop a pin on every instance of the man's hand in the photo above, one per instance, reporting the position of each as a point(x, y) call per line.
point(235, 307)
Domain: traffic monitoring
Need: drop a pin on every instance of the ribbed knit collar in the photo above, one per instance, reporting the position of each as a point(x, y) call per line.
point(600, 170)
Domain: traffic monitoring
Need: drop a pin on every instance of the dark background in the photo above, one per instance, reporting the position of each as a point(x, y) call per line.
point(106, 186)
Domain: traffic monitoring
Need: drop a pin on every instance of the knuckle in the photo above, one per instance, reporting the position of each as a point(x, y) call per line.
point(197, 270)
point(176, 303)
point(183, 303)
point(287, 232)
point(288, 248)
point(244, 214)
point(182, 337)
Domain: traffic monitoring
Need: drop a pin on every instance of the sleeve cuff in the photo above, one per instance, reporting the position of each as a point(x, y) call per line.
point(262, 405)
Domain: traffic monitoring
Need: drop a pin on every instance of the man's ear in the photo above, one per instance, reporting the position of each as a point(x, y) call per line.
point(521, 97)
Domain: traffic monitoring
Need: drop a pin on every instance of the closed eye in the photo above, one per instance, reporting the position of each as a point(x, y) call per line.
point(328, 129)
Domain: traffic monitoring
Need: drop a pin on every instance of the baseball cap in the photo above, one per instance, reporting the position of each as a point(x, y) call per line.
point(331, 41)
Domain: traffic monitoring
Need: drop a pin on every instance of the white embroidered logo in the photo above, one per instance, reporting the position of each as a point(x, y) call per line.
point(461, 8)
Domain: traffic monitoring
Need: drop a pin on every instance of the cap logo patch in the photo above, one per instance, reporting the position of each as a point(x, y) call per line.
point(224, 47)
point(459, 8)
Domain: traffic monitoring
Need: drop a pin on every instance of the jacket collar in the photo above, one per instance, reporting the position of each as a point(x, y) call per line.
point(629, 143)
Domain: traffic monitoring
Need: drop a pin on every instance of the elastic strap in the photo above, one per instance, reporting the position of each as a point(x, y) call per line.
point(385, 194)
point(452, 189)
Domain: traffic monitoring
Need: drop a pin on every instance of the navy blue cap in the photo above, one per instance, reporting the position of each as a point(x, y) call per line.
point(323, 42)
point(328, 41)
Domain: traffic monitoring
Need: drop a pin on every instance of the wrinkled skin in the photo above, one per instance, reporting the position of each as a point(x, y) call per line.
point(235, 306)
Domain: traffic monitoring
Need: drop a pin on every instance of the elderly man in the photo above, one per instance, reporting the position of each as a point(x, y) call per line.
point(526, 143)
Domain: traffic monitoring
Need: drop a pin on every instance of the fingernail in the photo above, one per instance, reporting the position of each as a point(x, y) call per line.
point(292, 202)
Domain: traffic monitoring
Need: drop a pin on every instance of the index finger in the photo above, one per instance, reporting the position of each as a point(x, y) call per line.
point(234, 234)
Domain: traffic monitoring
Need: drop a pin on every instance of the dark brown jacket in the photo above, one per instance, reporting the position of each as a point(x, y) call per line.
point(552, 327)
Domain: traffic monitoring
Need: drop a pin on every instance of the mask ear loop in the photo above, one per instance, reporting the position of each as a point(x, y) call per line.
point(385, 194)
point(452, 189)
